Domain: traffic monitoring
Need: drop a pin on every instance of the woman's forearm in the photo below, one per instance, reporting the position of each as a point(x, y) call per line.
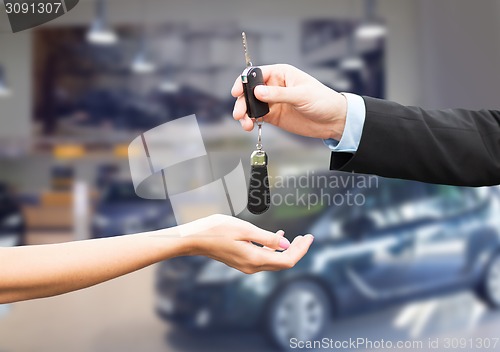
point(48, 270)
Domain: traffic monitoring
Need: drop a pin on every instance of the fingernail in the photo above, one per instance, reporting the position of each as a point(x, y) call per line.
point(284, 243)
point(310, 236)
point(280, 232)
point(262, 90)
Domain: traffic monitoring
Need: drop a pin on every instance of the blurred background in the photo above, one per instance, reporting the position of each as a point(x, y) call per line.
point(414, 262)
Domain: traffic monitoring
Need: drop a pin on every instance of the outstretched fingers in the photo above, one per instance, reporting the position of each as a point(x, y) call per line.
point(298, 249)
point(265, 260)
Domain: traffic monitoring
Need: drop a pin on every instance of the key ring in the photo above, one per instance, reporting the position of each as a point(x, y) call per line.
point(260, 122)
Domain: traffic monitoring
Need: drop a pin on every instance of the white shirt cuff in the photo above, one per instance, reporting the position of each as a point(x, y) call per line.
point(355, 120)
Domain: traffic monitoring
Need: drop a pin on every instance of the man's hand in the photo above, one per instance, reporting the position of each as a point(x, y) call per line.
point(298, 103)
point(229, 240)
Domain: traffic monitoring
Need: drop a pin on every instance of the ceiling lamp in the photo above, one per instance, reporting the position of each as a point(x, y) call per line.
point(370, 31)
point(352, 63)
point(100, 32)
point(169, 87)
point(142, 63)
point(371, 28)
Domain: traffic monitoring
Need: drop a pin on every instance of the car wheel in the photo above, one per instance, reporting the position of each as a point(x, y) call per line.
point(300, 310)
point(490, 286)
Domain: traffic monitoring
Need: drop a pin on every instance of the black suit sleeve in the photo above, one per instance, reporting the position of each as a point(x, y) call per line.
point(455, 147)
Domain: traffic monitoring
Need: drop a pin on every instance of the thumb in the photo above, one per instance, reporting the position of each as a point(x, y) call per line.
point(274, 94)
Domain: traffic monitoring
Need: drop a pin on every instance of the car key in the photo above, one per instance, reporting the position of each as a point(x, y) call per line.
point(259, 196)
point(251, 78)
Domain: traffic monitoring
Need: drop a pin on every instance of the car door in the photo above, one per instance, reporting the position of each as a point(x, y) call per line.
point(386, 269)
point(377, 241)
point(441, 245)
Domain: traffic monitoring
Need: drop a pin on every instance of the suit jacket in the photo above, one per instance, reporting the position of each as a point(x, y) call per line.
point(455, 147)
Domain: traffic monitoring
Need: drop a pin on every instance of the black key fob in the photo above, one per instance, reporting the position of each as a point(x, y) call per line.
point(259, 196)
point(251, 78)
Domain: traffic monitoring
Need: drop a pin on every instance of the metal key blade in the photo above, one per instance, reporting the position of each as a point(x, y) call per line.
point(245, 47)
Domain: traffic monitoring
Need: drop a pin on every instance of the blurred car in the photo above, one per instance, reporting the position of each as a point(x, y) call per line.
point(12, 222)
point(407, 241)
point(120, 211)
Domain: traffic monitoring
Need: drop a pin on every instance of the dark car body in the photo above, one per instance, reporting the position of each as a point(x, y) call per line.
point(120, 211)
point(408, 240)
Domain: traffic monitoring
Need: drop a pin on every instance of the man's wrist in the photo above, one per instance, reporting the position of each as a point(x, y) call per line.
point(339, 119)
point(353, 123)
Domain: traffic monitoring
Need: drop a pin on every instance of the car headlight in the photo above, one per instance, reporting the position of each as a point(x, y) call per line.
point(12, 220)
point(101, 221)
point(216, 272)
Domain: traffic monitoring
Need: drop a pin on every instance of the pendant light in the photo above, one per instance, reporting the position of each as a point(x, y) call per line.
point(100, 32)
point(371, 28)
point(352, 62)
point(142, 62)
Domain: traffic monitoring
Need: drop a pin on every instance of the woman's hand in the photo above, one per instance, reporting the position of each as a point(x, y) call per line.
point(229, 240)
point(298, 103)
point(42, 271)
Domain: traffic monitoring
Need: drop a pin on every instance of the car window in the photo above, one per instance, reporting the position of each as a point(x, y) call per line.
point(402, 192)
point(397, 203)
point(365, 219)
point(452, 200)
